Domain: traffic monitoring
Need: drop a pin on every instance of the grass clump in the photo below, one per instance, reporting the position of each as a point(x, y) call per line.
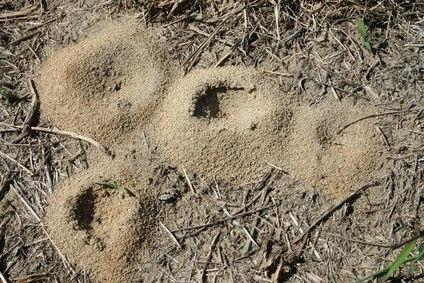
point(362, 29)
point(401, 260)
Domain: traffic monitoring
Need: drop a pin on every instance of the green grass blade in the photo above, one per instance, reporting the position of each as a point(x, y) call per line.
point(401, 259)
point(110, 185)
point(362, 29)
point(420, 253)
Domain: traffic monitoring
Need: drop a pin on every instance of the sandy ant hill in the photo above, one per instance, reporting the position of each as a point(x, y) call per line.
point(228, 123)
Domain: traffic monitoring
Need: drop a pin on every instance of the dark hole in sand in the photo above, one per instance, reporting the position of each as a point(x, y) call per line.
point(207, 104)
point(83, 210)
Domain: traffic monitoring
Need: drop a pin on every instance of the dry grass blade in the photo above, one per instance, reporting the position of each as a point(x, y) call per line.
point(101, 147)
point(190, 185)
point(209, 257)
point(213, 223)
point(2, 278)
point(375, 116)
point(326, 214)
point(18, 14)
point(38, 219)
point(171, 235)
point(4, 155)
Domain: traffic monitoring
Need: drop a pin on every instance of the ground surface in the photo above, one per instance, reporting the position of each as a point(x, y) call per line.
point(268, 230)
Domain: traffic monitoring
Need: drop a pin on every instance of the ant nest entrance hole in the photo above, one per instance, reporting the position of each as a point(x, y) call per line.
point(214, 102)
point(84, 209)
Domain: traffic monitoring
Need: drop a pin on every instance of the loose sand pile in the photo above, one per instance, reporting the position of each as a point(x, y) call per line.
point(337, 163)
point(223, 123)
point(107, 84)
point(226, 123)
point(103, 221)
point(232, 122)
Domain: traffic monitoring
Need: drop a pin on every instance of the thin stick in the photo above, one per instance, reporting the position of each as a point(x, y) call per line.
point(243, 228)
point(259, 187)
point(18, 14)
point(416, 237)
point(361, 242)
point(381, 245)
point(278, 168)
point(188, 181)
point(4, 155)
point(193, 57)
point(264, 193)
point(374, 116)
point(25, 37)
point(226, 56)
point(171, 235)
point(209, 257)
point(4, 185)
point(34, 102)
point(2, 278)
point(326, 214)
point(223, 220)
point(43, 227)
point(101, 147)
point(29, 117)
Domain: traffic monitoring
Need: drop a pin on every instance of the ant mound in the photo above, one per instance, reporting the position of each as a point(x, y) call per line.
point(102, 224)
point(101, 85)
point(226, 122)
point(323, 154)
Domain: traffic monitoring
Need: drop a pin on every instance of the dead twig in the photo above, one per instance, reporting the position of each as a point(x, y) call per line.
point(223, 220)
point(30, 116)
point(43, 227)
point(259, 187)
point(101, 147)
point(209, 257)
point(190, 185)
point(171, 235)
point(243, 228)
point(326, 214)
point(25, 37)
point(4, 185)
point(374, 116)
point(189, 62)
point(4, 155)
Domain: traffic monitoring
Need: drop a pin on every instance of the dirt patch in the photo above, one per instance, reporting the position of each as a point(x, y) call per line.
point(101, 85)
point(336, 162)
